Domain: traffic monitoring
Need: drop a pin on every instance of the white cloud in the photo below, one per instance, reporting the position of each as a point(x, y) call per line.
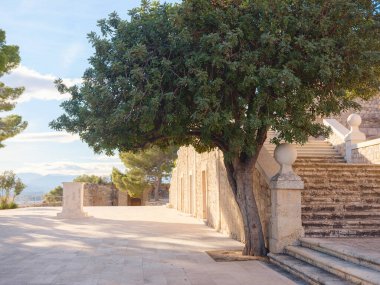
point(57, 137)
point(37, 86)
point(70, 168)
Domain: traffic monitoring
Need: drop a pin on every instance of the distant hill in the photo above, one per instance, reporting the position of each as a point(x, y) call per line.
point(40, 184)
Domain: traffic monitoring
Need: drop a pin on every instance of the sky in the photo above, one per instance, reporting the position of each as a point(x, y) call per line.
point(52, 37)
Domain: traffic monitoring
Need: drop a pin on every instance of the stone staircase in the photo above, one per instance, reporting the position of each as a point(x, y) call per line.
point(339, 199)
point(318, 262)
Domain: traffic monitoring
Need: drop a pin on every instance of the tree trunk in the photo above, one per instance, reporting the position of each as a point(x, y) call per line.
point(240, 176)
point(157, 189)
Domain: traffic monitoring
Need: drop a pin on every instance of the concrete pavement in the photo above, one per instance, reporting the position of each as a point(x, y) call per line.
point(120, 245)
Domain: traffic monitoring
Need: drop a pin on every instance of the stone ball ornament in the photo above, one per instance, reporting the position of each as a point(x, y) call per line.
point(285, 154)
point(354, 120)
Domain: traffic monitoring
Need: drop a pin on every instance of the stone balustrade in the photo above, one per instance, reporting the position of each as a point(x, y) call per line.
point(352, 143)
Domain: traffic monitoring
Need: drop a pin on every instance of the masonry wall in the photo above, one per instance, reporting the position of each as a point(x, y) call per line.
point(199, 187)
point(103, 195)
point(370, 114)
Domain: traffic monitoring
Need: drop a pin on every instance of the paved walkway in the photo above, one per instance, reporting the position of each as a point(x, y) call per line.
point(119, 245)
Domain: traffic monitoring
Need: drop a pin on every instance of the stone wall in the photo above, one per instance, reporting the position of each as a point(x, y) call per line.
point(103, 195)
point(200, 187)
point(366, 152)
point(370, 114)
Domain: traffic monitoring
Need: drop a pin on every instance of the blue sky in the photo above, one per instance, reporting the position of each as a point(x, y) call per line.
point(52, 36)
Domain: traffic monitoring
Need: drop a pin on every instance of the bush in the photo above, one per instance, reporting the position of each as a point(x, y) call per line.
point(4, 205)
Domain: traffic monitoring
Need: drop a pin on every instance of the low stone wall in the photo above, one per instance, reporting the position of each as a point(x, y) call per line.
point(366, 152)
point(103, 195)
point(200, 187)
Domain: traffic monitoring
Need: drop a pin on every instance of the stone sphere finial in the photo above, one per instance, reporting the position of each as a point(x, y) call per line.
point(355, 135)
point(285, 154)
point(354, 120)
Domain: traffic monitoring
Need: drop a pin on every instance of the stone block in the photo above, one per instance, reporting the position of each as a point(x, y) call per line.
point(286, 224)
point(72, 201)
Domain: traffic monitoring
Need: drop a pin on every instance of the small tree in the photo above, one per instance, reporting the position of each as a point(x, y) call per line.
point(10, 187)
point(219, 74)
point(54, 196)
point(134, 182)
point(145, 168)
point(9, 59)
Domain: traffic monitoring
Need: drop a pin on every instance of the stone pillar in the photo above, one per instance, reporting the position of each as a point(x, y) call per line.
point(354, 136)
point(72, 201)
point(285, 223)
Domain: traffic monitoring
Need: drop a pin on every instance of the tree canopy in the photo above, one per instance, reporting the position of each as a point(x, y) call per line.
point(54, 197)
point(91, 179)
point(10, 125)
point(145, 169)
point(220, 73)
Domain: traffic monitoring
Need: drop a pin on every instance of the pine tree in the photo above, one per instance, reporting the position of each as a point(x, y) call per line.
point(145, 169)
point(10, 125)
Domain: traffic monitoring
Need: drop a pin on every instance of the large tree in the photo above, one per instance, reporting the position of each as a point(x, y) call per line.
point(10, 125)
point(219, 74)
point(145, 168)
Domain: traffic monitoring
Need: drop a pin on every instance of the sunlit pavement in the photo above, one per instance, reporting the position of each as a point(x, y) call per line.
point(119, 245)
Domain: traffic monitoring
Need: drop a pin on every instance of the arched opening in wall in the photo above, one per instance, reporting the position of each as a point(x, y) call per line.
point(134, 202)
point(204, 195)
point(191, 204)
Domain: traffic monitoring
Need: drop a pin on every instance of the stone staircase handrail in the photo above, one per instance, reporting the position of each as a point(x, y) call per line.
point(267, 165)
point(337, 128)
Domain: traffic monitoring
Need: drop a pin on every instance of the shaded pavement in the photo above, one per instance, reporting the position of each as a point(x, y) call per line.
point(120, 245)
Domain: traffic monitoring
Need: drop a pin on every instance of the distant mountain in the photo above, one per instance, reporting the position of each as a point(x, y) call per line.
point(39, 184)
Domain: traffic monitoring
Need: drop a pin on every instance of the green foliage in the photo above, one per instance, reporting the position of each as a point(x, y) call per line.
point(133, 182)
point(221, 73)
point(5, 205)
point(91, 179)
point(54, 196)
point(145, 169)
point(9, 59)
point(10, 187)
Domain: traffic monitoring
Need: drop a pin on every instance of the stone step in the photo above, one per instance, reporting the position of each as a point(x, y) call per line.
point(306, 200)
point(358, 188)
point(344, 269)
point(343, 233)
point(336, 168)
point(331, 188)
point(341, 224)
point(322, 207)
point(305, 271)
point(343, 251)
point(340, 216)
point(340, 166)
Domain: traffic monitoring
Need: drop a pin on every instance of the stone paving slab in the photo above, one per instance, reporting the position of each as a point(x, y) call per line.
point(120, 245)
